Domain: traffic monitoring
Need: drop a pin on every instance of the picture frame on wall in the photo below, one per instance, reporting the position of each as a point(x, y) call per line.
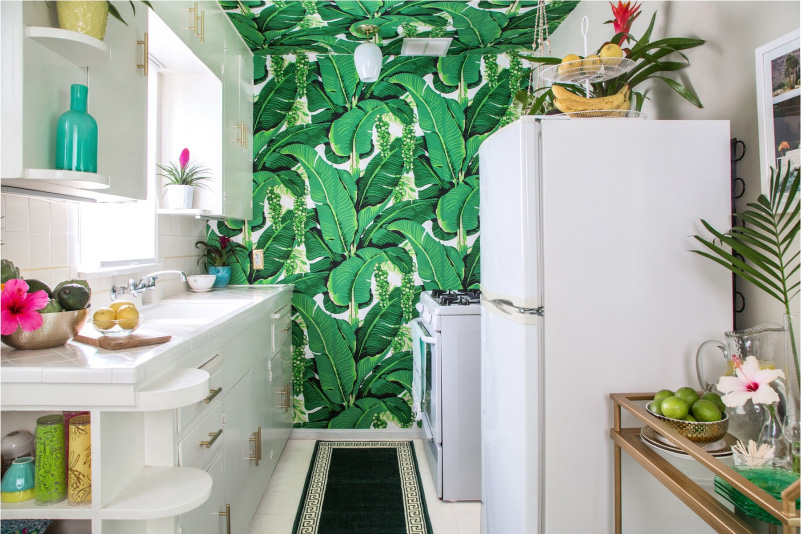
point(778, 80)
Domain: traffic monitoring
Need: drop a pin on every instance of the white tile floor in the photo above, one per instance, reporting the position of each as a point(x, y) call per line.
point(276, 512)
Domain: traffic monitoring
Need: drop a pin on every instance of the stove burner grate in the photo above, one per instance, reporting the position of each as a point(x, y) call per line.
point(461, 297)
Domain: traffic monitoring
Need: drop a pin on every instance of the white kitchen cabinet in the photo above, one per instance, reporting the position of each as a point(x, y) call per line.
point(40, 62)
point(195, 451)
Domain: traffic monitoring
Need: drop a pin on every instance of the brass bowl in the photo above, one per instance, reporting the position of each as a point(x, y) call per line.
point(697, 431)
point(57, 328)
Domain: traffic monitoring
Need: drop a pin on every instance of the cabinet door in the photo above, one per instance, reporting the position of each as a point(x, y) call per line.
point(237, 130)
point(281, 420)
point(180, 17)
point(240, 469)
point(209, 46)
point(206, 519)
point(118, 102)
point(261, 374)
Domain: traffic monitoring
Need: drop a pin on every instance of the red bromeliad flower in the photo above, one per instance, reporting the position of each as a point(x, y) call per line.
point(224, 242)
point(18, 307)
point(625, 15)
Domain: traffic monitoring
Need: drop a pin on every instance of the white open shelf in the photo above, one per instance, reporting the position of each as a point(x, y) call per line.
point(77, 48)
point(81, 180)
point(158, 492)
point(174, 389)
point(29, 510)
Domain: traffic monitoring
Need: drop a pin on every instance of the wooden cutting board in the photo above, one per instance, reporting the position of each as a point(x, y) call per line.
point(119, 343)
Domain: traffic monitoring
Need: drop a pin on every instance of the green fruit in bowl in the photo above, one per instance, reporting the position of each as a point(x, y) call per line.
point(52, 307)
point(715, 399)
point(662, 395)
point(688, 395)
point(656, 407)
point(675, 408)
point(690, 418)
point(706, 411)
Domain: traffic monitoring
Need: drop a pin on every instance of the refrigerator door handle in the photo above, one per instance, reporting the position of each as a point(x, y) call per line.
point(504, 305)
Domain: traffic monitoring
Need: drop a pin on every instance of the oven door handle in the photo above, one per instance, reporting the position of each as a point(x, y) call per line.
point(425, 339)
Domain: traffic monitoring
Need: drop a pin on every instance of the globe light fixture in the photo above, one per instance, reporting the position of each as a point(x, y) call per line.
point(367, 56)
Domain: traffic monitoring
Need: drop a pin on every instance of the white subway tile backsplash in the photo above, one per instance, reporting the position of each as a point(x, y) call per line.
point(59, 250)
point(39, 216)
point(40, 250)
point(60, 218)
point(59, 275)
point(16, 214)
point(17, 248)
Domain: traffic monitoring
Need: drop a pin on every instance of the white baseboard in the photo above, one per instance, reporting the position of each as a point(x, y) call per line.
point(359, 435)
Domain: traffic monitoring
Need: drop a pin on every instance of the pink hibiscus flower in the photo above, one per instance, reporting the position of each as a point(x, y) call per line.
point(749, 382)
point(18, 307)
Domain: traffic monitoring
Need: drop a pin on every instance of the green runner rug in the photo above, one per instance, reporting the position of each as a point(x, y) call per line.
point(363, 487)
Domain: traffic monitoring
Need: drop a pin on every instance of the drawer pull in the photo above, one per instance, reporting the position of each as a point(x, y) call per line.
point(257, 448)
point(214, 436)
point(213, 393)
point(285, 392)
point(227, 514)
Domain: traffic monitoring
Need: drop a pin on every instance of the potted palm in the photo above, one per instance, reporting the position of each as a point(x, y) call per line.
point(181, 181)
point(215, 256)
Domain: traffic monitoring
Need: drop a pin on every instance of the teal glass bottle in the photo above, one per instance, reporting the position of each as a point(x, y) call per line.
point(76, 135)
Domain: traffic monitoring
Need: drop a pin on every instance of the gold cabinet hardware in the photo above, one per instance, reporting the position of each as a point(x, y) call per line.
point(240, 135)
point(214, 436)
point(203, 26)
point(286, 393)
point(144, 65)
point(213, 393)
point(193, 25)
point(227, 514)
point(257, 447)
point(245, 136)
point(198, 24)
point(285, 330)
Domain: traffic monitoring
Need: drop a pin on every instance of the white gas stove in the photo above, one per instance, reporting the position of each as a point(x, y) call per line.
point(447, 380)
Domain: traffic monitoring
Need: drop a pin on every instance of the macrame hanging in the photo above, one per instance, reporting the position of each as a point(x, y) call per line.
point(541, 47)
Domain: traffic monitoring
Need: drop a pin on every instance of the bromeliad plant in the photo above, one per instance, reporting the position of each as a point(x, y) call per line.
point(185, 173)
point(216, 255)
point(649, 57)
point(762, 249)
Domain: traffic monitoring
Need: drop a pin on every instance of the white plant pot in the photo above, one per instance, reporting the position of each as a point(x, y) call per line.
point(179, 197)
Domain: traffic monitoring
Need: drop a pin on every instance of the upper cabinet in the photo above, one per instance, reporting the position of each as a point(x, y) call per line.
point(40, 63)
point(184, 59)
point(206, 105)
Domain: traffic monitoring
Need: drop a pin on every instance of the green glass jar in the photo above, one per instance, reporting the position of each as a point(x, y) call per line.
point(51, 464)
point(76, 135)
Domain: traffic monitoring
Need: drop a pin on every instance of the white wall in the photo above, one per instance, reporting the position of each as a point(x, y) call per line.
point(41, 238)
point(722, 72)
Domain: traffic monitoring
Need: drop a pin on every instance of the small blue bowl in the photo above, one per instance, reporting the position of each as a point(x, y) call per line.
point(223, 275)
point(18, 482)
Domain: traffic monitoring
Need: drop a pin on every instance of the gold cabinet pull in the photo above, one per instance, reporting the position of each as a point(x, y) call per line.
point(240, 134)
point(213, 393)
point(195, 17)
point(144, 65)
point(214, 436)
point(257, 448)
point(245, 136)
point(203, 26)
point(286, 393)
point(227, 514)
point(285, 330)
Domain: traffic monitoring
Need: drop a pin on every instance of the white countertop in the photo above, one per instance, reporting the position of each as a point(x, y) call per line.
point(76, 363)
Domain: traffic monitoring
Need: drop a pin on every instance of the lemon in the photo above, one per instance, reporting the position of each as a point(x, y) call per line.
point(567, 66)
point(591, 64)
point(103, 318)
point(609, 51)
point(128, 317)
point(116, 305)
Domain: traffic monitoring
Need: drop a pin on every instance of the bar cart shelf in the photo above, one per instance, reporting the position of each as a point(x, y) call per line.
point(696, 498)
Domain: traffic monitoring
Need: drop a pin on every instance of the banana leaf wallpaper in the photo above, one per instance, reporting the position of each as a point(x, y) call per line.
point(366, 194)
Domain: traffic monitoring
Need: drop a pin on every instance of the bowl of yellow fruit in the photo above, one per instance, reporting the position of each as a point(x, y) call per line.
point(120, 318)
point(699, 418)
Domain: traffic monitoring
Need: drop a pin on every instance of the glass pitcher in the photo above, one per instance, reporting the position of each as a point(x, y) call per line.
point(766, 343)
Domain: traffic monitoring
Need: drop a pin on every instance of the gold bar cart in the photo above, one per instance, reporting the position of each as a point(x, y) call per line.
point(697, 499)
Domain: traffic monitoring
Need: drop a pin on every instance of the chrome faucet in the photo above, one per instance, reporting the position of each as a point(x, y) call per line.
point(145, 283)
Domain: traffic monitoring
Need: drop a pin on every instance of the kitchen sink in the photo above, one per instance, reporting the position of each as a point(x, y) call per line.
point(188, 314)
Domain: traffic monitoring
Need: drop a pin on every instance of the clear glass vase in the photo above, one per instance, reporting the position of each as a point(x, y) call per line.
point(772, 434)
point(792, 415)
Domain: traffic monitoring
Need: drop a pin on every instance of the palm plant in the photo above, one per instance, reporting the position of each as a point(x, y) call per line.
point(761, 252)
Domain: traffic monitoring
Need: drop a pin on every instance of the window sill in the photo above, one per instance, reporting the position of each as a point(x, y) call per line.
point(105, 272)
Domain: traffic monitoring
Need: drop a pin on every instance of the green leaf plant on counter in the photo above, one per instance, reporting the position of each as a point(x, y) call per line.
point(761, 249)
point(651, 59)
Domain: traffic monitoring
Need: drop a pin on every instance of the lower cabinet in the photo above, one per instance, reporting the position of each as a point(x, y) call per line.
point(254, 420)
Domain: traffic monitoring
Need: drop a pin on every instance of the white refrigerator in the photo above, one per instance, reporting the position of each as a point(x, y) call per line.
point(589, 288)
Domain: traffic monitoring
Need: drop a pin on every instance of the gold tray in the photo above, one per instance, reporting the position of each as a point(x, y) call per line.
point(720, 448)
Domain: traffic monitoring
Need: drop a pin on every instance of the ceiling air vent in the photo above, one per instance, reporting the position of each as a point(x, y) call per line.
point(417, 46)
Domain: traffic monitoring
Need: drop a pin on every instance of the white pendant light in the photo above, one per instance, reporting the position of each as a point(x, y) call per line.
point(367, 57)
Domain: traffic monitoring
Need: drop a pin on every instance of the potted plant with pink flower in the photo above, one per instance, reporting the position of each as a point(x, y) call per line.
point(181, 180)
point(215, 257)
